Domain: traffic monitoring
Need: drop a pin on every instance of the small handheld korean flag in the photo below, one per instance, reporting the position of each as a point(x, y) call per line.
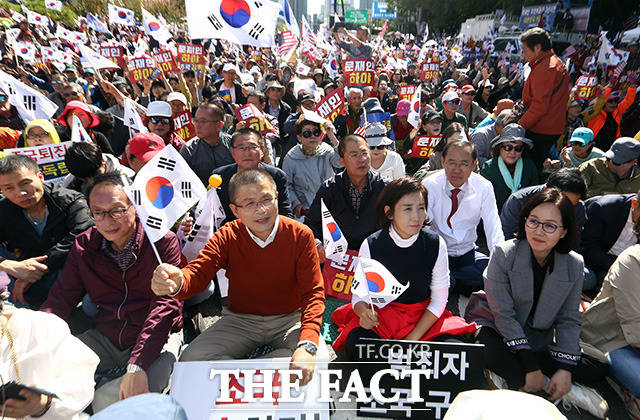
point(132, 118)
point(374, 284)
point(121, 15)
point(78, 133)
point(30, 103)
point(414, 111)
point(164, 189)
point(335, 244)
point(209, 217)
point(54, 5)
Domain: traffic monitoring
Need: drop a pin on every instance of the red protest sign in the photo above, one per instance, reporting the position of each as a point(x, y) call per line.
point(166, 61)
point(423, 146)
point(141, 68)
point(406, 91)
point(586, 86)
point(338, 276)
point(255, 119)
point(115, 54)
point(191, 54)
point(358, 72)
point(331, 106)
point(183, 126)
point(429, 71)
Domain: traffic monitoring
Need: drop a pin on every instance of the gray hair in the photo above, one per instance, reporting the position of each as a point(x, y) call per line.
point(355, 89)
point(13, 163)
point(248, 177)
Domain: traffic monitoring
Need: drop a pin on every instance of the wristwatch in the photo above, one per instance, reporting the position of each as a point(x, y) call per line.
point(131, 368)
point(309, 346)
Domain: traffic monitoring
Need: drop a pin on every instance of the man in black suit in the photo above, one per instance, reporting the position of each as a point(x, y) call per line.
point(608, 231)
point(246, 148)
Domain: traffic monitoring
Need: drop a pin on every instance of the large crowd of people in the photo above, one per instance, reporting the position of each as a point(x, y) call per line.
point(524, 209)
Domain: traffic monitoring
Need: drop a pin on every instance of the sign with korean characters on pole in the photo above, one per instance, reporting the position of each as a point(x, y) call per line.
point(358, 72)
point(190, 56)
point(49, 157)
point(142, 68)
point(429, 71)
point(587, 86)
point(115, 54)
point(255, 119)
point(331, 106)
point(183, 125)
point(423, 146)
point(166, 61)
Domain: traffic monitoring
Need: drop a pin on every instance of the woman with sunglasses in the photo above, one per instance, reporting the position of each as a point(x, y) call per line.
point(387, 163)
point(507, 170)
point(309, 163)
point(158, 120)
point(529, 314)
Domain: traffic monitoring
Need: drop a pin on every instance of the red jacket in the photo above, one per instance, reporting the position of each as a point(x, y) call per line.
point(597, 123)
point(547, 111)
point(130, 314)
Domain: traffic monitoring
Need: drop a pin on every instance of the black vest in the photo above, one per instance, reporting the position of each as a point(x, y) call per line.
point(413, 265)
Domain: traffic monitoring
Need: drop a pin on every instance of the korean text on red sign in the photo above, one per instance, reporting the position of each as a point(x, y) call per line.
point(338, 276)
point(429, 71)
point(331, 106)
point(166, 61)
point(183, 126)
point(423, 146)
point(141, 68)
point(587, 86)
point(190, 53)
point(358, 72)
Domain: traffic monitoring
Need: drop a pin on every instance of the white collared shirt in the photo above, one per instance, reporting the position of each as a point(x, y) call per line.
point(476, 201)
point(626, 239)
point(270, 238)
point(439, 276)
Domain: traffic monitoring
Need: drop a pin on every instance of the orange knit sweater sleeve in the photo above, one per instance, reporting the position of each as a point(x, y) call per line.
point(310, 286)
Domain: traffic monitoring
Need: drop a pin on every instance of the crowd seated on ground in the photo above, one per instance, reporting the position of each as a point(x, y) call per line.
point(522, 210)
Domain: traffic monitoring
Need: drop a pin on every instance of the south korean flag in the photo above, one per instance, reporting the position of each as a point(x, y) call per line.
point(164, 189)
point(31, 104)
point(374, 284)
point(245, 22)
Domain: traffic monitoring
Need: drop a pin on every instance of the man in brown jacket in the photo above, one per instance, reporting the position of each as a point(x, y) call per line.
point(545, 92)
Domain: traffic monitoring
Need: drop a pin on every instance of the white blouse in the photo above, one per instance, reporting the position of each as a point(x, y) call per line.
point(439, 276)
point(51, 358)
point(392, 167)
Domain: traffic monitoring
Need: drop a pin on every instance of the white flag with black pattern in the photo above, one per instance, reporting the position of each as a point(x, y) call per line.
point(208, 218)
point(245, 22)
point(158, 192)
point(31, 104)
point(374, 284)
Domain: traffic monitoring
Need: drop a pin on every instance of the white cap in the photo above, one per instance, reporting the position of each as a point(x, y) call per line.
point(177, 96)
point(376, 135)
point(229, 67)
point(159, 109)
point(450, 96)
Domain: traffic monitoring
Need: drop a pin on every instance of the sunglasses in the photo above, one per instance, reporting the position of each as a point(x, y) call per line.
point(381, 147)
point(453, 102)
point(510, 147)
point(3, 98)
point(159, 120)
point(308, 133)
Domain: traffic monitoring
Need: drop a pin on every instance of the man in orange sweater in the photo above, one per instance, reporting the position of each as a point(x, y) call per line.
point(545, 92)
point(276, 293)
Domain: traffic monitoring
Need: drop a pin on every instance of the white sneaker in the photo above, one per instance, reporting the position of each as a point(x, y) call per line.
point(587, 399)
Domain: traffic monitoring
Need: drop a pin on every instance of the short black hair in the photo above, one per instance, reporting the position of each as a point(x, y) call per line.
point(13, 163)
point(189, 73)
point(567, 213)
point(392, 193)
point(536, 36)
point(342, 146)
point(214, 108)
point(568, 180)
point(248, 177)
point(209, 92)
point(301, 122)
point(460, 144)
point(83, 159)
point(244, 132)
point(110, 178)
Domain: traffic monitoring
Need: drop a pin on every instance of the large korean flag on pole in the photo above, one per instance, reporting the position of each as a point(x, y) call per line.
point(374, 284)
point(164, 189)
point(245, 22)
point(31, 104)
point(121, 15)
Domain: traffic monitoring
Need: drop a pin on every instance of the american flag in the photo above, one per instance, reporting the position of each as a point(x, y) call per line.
point(362, 129)
point(617, 72)
point(307, 34)
point(289, 42)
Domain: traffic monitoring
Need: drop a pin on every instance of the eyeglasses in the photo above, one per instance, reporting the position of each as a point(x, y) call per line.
point(37, 135)
point(533, 224)
point(509, 147)
point(253, 206)
point(453, 102)
point(308, 133)
point(115, 214)
point(380, 147)
point(159, 120)
point(57, 82)
point(251, 148)
point(204, 121)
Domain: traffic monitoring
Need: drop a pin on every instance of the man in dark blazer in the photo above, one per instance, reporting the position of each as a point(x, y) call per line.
point(246, 148)
point(609, 229)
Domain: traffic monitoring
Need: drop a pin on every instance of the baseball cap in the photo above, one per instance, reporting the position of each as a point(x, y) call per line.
point(582, 135)
point(229, 67)
point(623, 150)
point(403, 107)
point(376, 135)
point(305, 95)
point(159, 109)
point(177, 96)
point(468, 89)
point(431, 116)
point(89, 70)
point(145, 146)
point(503, 80)
point(450, 96)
